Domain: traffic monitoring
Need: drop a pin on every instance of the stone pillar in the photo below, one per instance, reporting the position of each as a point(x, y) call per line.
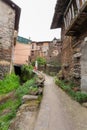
point(84, 66)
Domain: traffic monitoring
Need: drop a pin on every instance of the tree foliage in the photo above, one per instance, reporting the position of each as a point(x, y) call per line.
point(41, 61)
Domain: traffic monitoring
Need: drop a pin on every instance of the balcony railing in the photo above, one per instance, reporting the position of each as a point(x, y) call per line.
point(74, 17)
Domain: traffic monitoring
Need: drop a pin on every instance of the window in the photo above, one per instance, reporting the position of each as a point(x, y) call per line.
point(32, 46)
point(32, 53)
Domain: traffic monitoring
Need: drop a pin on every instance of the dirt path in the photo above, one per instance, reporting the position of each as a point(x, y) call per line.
point(58, 111)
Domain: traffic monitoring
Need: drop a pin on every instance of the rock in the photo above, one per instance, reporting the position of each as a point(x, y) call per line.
point(40, 91)
point(33, 92)
point(77, 55)
point(40, 82)
point(4, 112)
point(60, 75)
point(4, 98)
point(66, 65)
point(28, 106)
point(39, 74)
point(40, 77)
point(76, 75)
point(18, 114)
point(37, 92)
point(84, 104)
point(21, 109)
point(29, 98)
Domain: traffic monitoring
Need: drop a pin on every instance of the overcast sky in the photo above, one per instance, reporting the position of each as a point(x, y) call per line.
point(36, 19)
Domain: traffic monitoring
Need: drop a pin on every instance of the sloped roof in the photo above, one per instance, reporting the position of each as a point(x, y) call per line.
point(23, 40)
point(17, 10)
point(59, 12)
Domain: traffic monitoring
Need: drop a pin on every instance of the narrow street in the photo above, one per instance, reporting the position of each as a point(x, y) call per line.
point(58, 111)
point(38, 37)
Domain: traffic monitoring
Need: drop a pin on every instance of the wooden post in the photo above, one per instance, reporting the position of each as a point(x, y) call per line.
point(73, 13)
point(83, 1)
point(68, 18)
point(78, 4)
point(70, 13)
point(65, 23)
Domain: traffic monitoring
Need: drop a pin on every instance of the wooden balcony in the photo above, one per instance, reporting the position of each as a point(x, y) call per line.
point(78, 24)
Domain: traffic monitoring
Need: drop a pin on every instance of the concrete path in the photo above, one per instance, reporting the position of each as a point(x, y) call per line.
point(58, 111)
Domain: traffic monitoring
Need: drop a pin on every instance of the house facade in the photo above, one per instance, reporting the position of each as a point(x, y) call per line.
point(22, 51)
point(9, 24)
point(71, 17)
point(39, 49)
point(54, 53)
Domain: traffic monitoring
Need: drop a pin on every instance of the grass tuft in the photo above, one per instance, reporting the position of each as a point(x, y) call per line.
point(78, 95)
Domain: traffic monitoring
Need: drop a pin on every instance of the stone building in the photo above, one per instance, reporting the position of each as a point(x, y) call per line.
point(39, 49)
point(54, 52)
point(71, 17)
point(9, 24)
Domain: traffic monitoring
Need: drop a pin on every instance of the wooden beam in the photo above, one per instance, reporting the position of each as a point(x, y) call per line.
point(83, 1)
point(65, 23)
point(78, 4)
point(68, 7)
point(73, 14)
point(70, 12)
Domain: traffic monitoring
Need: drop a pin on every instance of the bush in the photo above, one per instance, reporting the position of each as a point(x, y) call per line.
point(5, 120)
point(12, 105)
point(81, 97)
point(27, 72)
point(10, 83)
point(41, 61)
point(58, 82)
point(26, 88)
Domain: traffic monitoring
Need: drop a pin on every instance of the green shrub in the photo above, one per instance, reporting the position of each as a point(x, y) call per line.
point(5, 119)
point(27, 72)
point(78, 96)
point(10, 83)
point(34, 89)
point(81, 97)
point(13, 105)
point(41, 61)
point(33, 63)
point(26, 88)
point(58, 82)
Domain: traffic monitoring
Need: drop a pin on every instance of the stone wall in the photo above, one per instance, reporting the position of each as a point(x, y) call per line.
point(66, 56)
point(72, 51)
point(54, 53)
point(49, 69)
point(7, 21)
point(4, 69)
